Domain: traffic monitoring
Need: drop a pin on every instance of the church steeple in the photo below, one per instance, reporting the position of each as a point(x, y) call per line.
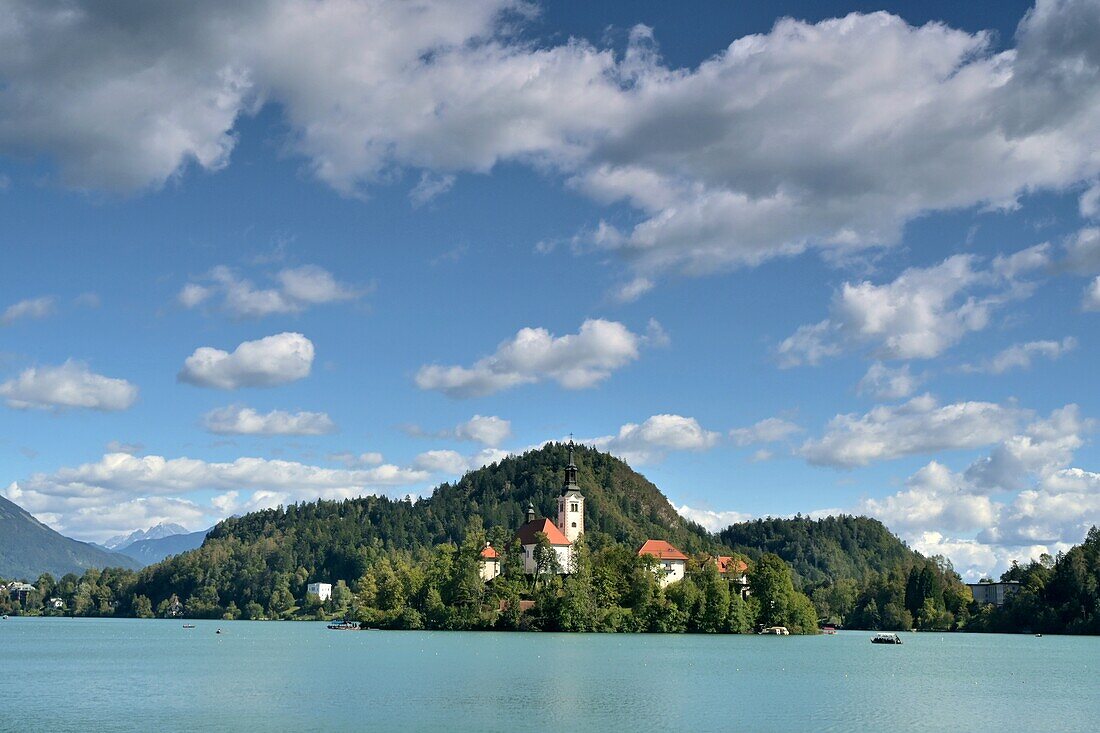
point(570, 472)
point(571, 502)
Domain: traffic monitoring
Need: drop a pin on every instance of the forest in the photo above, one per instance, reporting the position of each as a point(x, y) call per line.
point(403, 564)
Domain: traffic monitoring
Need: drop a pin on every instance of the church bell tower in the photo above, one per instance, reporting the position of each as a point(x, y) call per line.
point(571, 503)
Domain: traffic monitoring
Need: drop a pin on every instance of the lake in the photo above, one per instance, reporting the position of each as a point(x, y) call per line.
point(133, 675)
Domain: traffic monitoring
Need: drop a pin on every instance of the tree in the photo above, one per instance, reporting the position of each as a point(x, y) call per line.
point(141, 607)
point(546, 559)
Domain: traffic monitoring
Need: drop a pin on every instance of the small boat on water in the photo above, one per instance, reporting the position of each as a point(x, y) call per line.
point(776, 631)
point(828, 630)
point(886, 639)
point(344, 625)
point(218, 631)
point(189, 626)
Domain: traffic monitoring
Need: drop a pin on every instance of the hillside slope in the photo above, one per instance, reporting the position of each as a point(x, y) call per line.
point(821, 550)
point(29, 548)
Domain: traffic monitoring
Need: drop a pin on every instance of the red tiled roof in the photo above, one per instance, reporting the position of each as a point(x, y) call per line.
point(726, 563)
point(489, 553)
point(527, 532)
point(661, 550)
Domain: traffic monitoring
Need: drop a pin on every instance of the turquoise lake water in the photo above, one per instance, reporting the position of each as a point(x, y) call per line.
point(131, 675)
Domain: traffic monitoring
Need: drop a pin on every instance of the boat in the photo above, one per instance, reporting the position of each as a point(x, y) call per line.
point(189, 626)
point(218, 631)
point(828, 630)
point(344, 625)
point(886, 639)
point(776, 631)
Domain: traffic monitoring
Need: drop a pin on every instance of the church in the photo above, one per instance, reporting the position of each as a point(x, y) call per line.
point(562, 534)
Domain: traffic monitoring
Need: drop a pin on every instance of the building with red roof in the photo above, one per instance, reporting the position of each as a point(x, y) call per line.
point(569, 527)
point(489, 563)
point(673, 563)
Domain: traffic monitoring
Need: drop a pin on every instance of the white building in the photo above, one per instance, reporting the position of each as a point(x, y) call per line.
point(995, 593)
point(489, 563)
point(571, 503)
point(321, 590)
point(673, 563)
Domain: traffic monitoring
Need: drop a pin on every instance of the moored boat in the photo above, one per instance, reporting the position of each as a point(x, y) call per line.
point(344, 625)
point(886, 639)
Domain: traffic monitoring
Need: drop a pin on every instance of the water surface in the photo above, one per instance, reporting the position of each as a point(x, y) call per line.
point(135, 675)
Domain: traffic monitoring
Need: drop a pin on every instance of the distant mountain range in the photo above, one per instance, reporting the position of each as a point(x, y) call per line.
point(155, 549)
point(160, 531)
point(29, 548)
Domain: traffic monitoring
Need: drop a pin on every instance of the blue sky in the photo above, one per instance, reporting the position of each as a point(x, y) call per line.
point(847, 263)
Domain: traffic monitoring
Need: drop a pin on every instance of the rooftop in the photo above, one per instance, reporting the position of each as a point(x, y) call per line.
point(661, 550)
point(527, 532)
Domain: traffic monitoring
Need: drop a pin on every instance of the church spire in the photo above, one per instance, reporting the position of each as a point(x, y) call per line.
point(570, 471)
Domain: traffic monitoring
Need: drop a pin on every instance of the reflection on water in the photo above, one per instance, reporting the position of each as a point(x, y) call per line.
point(128, 675)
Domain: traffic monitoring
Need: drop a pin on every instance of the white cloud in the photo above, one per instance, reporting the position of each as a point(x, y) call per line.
point(267, 362)
point(906, 119)
point(296, 289)
point(70, 385)
point(1020, 356)
point(972, 559)
point(574, 361)
point(72, 497)
point(1081, 251)
point(441, 461)
point(487, 430)
point(918, 426)
point(241, 420)
point(429, 187)
point(936, 497)
point(886, 383)
point(1089, 202)
point(712, 520)
point(634, 289)
point(117, 446)
point(770, 430)
point(356, 460)
point(652, 440)
point(919, 315)
point(1091, 300)
point(40, 307)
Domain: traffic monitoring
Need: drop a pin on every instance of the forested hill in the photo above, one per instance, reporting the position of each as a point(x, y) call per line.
point(619, 502)
point(243, 557)
point(823, 550)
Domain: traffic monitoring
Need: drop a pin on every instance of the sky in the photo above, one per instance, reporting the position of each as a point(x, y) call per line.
point(782, 258)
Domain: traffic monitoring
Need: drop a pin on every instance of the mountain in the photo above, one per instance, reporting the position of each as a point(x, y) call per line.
point(29, 548)
point(160, 531)
point(154, 549)
point(823, 550)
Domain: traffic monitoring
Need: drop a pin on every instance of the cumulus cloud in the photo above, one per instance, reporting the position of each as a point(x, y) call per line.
point(918, 426)
point(944, 121)
point(653, 439)
point(488, 430)
point(295, 289)
point(1020, 356)
point(31, 308)
point(935, 497)
point(574, 361)
point(1081, 252)
point(769, 430)
point(72, 498)
point(241, 420)
point(710, 519)
point(70, 385)
point(919, 315)
point(430, 187)
point(267, 362)
point(1091, 299)
point(886, 383)
point(441, 461)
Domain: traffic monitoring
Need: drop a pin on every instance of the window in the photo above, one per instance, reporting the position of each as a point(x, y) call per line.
point(574, 525)
point(573, 508)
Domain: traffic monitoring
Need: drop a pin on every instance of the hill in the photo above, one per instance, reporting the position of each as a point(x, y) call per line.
point(244, 557)
point(155, 549)
point(823, 550)
point(29, 548)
